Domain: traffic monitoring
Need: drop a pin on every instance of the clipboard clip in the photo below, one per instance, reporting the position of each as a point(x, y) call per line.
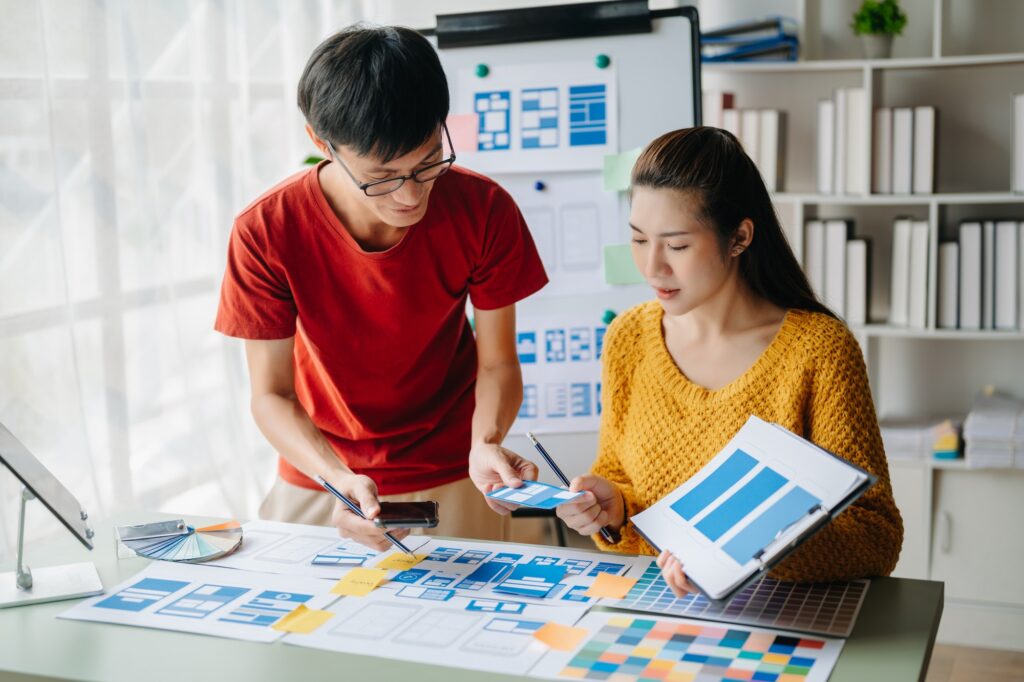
point(759, 556)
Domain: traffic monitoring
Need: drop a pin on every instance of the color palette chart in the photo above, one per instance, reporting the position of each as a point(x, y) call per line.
point(626, 648)
point(822, 608)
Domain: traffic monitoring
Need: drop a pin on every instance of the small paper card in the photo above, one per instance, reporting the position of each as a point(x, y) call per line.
point(400, 561)
point(534, 494)
point(302, 620)
point(561, 637)
point(359, 582)
point(610, 586)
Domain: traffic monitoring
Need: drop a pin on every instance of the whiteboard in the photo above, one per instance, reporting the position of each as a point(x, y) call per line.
point(656, 84)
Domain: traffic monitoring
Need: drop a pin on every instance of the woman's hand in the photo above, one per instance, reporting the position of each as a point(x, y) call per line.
point(672, 572)
point(600, 505)
point(363, 491)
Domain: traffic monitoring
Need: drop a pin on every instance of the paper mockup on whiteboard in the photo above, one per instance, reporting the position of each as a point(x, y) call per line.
point(205, 600)
point(765, 492)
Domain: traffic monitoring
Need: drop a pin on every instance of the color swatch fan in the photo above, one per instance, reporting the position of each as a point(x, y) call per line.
point(177, 541)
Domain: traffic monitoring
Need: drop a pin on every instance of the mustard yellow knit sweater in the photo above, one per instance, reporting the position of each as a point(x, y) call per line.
point(658, 429)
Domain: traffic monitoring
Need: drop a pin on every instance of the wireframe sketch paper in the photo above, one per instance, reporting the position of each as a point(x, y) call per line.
point(535, 494)
point(205, 600)
point(298, 549)
point(766, 491)
point(628, 647)
point(421, 626)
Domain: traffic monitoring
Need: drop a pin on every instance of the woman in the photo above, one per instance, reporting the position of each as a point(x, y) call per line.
point(735, 331)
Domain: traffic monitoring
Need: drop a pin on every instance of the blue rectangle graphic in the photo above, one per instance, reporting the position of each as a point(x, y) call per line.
point(266, 609)
point(740, 503)
point(794, 505)
point(735, 467)
point(140, 595)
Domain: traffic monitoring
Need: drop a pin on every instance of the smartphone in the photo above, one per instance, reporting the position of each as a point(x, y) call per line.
point(407, 515)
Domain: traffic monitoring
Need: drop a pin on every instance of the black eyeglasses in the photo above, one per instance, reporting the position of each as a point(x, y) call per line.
point(388, 185)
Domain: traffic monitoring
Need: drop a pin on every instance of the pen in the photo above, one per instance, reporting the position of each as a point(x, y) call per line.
point(359, 512)
point(605, 532)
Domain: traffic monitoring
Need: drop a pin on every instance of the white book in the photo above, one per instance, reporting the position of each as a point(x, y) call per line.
point(770, 153)
point(882, 151)
point(731, 121)
point(970, 275)
point(826, 145)
point(857, 282)
point(924, 150)
point(1006, 275)
point(724, 550)
point(836, 234)
point(948, 294)
point(899, 283)
point(713, 103)
point(988, 274)
point(902, 150)
point(814, 256)
point(839, 174)
point(750, 134)
point(917, 307)
point(1017, 182)
point(857, 142)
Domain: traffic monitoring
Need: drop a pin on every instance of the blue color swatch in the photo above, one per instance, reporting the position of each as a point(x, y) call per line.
point(740, 503)
point(721, 479)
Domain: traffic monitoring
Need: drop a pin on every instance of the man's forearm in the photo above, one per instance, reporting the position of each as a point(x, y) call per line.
point(293, 434)
point(499, 392)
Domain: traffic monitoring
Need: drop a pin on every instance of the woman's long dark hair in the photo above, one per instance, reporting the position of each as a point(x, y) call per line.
point(711, 163)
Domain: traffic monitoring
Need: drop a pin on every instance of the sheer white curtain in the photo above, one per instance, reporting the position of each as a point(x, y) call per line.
point(131, 133)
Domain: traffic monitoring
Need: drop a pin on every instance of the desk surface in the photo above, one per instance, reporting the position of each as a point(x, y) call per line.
point(892, 640)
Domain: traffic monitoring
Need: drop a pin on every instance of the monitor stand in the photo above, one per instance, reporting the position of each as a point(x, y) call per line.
point(53, 583)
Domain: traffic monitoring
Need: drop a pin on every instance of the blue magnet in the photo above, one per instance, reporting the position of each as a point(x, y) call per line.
point(482, 70)
point(539, 186)
point(602, 61)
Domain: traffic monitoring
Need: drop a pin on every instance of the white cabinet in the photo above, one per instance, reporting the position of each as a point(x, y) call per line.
point(966, 59)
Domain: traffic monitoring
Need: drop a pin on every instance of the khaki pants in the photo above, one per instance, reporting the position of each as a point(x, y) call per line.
point(462, 511)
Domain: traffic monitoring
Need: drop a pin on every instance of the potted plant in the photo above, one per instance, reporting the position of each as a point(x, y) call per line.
point(876, 22)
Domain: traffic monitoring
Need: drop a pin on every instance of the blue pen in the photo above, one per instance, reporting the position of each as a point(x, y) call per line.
point(605, 532)
point(359, 512)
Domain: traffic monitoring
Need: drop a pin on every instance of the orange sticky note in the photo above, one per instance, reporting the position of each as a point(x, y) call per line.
point(561, 637)
point(463, 128)
point(611, 586)
point(400, 561)
point(359, 582)
point(302, 620)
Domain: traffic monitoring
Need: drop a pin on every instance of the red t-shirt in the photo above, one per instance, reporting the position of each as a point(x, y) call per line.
point(385, 359)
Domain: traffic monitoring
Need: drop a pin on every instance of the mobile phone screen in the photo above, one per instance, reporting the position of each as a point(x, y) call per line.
point(407, 515)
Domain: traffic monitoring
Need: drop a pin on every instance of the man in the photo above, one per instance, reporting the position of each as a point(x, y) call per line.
point(349, 283)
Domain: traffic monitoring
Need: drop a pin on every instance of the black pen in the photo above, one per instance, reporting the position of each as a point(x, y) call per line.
point(359, 512)
point(605, 532)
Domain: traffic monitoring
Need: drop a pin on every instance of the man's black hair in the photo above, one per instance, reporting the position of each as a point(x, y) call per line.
point(378, 89)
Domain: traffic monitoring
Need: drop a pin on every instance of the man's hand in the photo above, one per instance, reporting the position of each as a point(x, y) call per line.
point(492, 466)
point(672, 572)
point(363, 491)
point(600, 505)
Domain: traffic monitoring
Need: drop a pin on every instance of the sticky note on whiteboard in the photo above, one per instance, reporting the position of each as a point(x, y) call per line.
point(619, 267)
point(618, 170)
point(463, 129)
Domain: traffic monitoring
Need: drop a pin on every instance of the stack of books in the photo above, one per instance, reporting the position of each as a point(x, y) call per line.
point(766, 39)
point(842, 154)
point(762, 132)
point(838, 267)
point(1017, 172)
point(908, 284)
point(980, 278)
point(994, 432)
point(904, 151)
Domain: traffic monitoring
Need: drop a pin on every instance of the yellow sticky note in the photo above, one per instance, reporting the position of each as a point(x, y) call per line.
point(618, 169)
point(401, 561)
point(359, 582)
point(302, 620)
point(561, 637)
point(611, 586)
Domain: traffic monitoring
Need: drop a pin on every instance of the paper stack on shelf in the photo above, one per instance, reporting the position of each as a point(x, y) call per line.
point(920, 437)
point(994, 432)
point(765, 39)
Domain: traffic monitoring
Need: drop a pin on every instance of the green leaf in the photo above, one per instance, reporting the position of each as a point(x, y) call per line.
point(312, 160)
point(879, 17)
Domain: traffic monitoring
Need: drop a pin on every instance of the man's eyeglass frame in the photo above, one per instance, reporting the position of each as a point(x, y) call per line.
point(366, 187)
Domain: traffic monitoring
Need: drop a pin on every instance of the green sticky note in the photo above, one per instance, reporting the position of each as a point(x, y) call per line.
point(619, 267)
point(618, 168)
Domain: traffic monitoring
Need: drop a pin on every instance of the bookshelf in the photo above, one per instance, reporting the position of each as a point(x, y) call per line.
point(964, 58)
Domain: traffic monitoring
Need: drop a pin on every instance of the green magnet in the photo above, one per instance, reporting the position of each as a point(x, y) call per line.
point(602, 61)
point(608, 316)
point(482, 70)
